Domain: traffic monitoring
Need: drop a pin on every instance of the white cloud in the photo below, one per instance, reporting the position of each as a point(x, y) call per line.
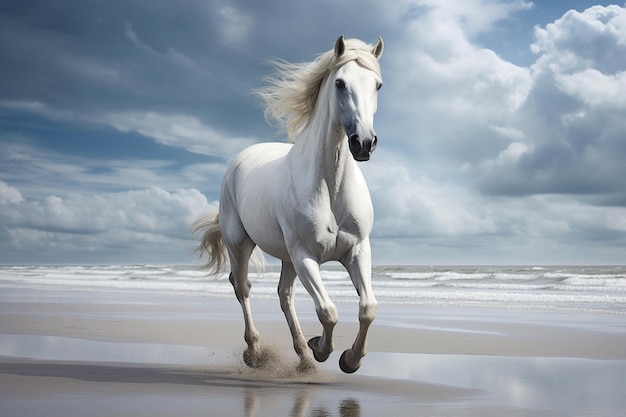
point(456, 104)
point(502, 155)
point(594, 88)
point(177, 130)
point(43, 172)
point(585, 53)
point(579, 40)
point(507, 157)
point(407, 204)
point(9, 194)
point(180, 131)
point(234, 25)
point(508, 132)
point(567, 135)
point(444, 94)
point(172, 55)
point(36, 107)
point(417, 220)
point(104, 223)
point(472, 17)
point(152, 210)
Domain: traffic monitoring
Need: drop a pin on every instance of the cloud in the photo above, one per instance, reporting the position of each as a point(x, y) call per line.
point(37, 108)
point(151, 210)
point(409, 204)
point(443, 93)
point(234, 25)
point(468, 115)
point(9, 194)
point(102, 224)
point(510, 155)
point(570, 124)
point(580, 40)
point(594, 88)
point(181, 131)
point(101, 61)
point(38, 173)
point(499, 155)
point(435, 222)
point(55, 207)
point(474, 16)
point(172, 56)
point(177, 130)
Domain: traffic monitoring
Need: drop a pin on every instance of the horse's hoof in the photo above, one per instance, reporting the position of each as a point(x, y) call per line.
point(343, 364)
point(255, 359)
point(250, 359)
point(314, 345)
point(306, 367)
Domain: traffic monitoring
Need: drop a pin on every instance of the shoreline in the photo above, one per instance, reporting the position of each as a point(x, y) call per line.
point(409, 329)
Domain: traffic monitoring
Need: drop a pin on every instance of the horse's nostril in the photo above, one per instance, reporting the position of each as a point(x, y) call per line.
point(374, 142)
point(354, 140)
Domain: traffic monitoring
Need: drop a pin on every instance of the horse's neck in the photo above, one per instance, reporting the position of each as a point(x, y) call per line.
point(323, 156)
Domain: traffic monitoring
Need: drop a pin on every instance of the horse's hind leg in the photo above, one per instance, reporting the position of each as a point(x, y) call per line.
point(286, 295)
point(240, 247)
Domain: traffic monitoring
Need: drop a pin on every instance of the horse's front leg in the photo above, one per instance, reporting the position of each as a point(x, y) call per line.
point(286, 294)
point(360, 269)
point(309, 272)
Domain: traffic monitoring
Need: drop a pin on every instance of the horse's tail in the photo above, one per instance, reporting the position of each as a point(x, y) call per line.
point(212, 244)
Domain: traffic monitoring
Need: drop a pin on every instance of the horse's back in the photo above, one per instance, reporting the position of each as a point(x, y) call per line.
point(262, 153)
point(254, 167)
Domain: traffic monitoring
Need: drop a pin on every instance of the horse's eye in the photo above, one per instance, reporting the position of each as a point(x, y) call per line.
point(341, 84)
point(378, 86)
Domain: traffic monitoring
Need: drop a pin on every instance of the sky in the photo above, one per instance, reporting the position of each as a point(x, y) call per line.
point(501, 124)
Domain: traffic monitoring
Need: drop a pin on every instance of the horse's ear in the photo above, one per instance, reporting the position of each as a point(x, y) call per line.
point(340, 47)
point(378, 49)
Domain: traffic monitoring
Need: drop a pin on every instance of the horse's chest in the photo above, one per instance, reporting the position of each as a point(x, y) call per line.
point(329, 235)
point(328, 225)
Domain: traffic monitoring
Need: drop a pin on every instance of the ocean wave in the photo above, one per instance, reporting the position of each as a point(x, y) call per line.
point(411, 275)
point(593, 289)
point(596, 281)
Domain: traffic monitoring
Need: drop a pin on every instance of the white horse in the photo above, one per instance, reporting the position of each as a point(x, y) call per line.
point(305, 202)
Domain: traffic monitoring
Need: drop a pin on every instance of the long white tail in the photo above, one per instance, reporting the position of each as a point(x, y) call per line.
point(212, 244)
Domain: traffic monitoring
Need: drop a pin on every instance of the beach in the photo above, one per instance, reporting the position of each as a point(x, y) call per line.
point(71, 350)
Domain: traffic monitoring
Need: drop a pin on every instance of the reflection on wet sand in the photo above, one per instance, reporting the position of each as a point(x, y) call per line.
point(216, 383)
point(213, 392)
point(348, 407)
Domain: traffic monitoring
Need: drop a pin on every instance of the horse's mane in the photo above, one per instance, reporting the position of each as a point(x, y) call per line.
point(292, 92)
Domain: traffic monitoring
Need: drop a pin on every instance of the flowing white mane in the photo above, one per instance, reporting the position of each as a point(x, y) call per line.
point(292, 93)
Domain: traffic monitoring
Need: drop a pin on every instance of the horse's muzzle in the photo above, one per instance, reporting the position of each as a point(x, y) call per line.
point(361, 149)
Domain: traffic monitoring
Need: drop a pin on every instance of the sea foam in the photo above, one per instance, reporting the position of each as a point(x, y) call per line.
point(591, 289)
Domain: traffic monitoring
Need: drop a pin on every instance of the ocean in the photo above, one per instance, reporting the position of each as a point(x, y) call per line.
point(585, 289)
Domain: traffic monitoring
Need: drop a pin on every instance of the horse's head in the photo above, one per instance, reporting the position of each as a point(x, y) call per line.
point(356, 86)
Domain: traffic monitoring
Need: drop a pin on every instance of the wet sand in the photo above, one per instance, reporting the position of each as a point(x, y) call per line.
point(103, 354)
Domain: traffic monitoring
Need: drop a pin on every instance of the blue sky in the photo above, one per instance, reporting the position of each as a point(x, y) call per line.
point(501, 124)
